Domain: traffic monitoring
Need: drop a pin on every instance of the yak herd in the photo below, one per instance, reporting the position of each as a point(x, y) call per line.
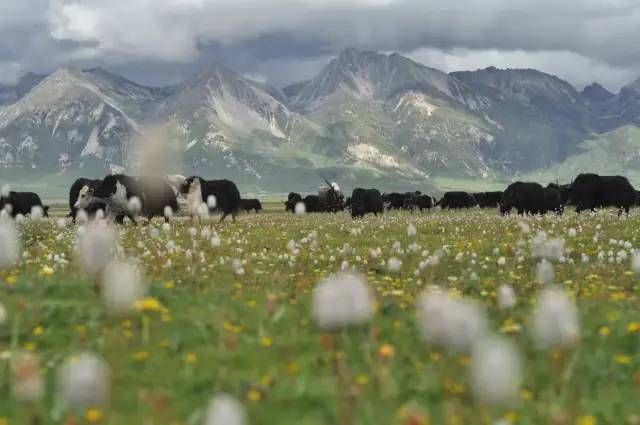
point(587, 192)
point(118, 196)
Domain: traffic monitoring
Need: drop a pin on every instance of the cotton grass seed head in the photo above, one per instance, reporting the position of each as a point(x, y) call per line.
point(224, 409)
point(10, 245)
point(449, 323)
point(300, 208)
point(212, 202)
point(3, 314)
point(341, 300)
point(122, 285)
point(37, 213)
point(545, 273)
point(97, 246)
point(5, 191)
point(84, 382)
point(506, 297)
point(496, 371)
point(555, 322)
point(134, 205)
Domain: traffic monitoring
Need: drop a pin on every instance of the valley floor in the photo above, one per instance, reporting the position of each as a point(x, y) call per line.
point(212, 324)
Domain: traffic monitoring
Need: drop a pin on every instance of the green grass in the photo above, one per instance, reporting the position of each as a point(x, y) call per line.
point(253, 336)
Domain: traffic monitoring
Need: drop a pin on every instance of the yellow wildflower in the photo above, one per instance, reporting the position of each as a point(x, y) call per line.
point(362, 380)
point(633, 327)
point(586, 420)
point(191, 358)
point(436, 356)
point(604, 331)
point(169, 284)
point(526, 394)
point(622, 359)
point(4, 421)
point(510, 417)
point(46, 271)
point(93, 416)
point(30, 346)
point(254, 395)
point(293, 368)
point(38, 330)
point(266, 341)
point(141, 356)
point(148, 304)
point(11, 280)
point(387, 351)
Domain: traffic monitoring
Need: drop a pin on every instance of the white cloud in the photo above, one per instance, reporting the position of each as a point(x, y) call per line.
point(570, 66)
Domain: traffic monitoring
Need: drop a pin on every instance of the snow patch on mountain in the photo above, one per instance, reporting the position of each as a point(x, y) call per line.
point(372, 154)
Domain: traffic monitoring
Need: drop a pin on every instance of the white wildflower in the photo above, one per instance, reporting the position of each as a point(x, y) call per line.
point(300, 208)
point(343, 299)
point(212, 202)
point(394, 265)
point(411, 230)
point(10, 246)
point(496, 371)
point(545, 273)
point(224, 409)
point(506, 297)
point(555, 322)
point(450, 323)
point(97, 246)
point(83, 382)
point(122, 285)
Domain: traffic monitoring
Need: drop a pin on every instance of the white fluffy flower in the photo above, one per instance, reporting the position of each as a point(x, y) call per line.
point(83, 382)
point(550, 249)
point(97, 246)
point(203, 211)
point(300, 208)
point(168, 212)
point(215, 242)
point(122, 285)
point(343, 299)
point(506, 297)
point(10, 245)
point(555, 321)
point(3, 314)
point(394, 265)
point(37, 213)
point(411, 230)
point(27, 380)
point(572, 232)
point(496, 371)
point(134, 205)
point(5, 191)
point(545, 273)
point(502, 261)
point(212, 202)
point(450, 323)
point(635, 261)
point(225, 410)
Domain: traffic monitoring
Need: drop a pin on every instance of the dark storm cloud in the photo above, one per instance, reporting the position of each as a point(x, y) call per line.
point(282, 39)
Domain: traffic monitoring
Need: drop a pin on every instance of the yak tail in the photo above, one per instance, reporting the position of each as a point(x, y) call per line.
point(439, 202)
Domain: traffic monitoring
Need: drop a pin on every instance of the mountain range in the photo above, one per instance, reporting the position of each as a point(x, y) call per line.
point(366, 118)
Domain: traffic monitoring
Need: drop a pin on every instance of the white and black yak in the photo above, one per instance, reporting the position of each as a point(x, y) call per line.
point(220, 195)
point(154, 196)
point(79, 195)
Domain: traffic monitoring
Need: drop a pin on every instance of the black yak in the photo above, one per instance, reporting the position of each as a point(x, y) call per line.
point(590, 191)
point(251, 204)
point(457, 200)
point(366, 201)
point(22, 203)
point(292, 200)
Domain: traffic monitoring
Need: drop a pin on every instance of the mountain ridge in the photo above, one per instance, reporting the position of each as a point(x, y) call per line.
point(365, 116)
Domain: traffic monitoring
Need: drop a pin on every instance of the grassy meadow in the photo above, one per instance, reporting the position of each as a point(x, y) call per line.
point(208, 327)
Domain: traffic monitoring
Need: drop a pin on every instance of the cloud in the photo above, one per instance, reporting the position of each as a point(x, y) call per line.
point(570, 66)
point(255, 35)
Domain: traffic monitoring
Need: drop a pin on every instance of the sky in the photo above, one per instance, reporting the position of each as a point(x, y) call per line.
point(160, 42)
